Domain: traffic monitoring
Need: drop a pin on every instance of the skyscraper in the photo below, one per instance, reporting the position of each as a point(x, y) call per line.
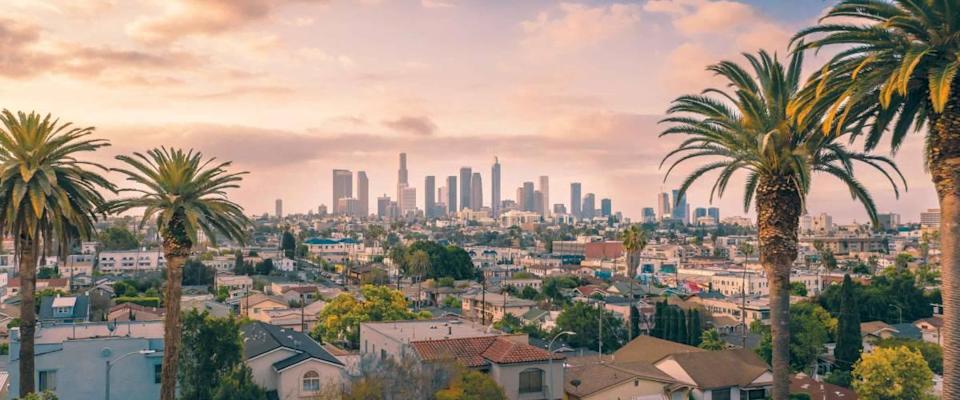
point(589, 206)
point(715, 213)
point(408, 203)
point(545, 190)
point(699, 212)
point(429, 191)
point(538, 202)
point(342, 187)
point(520, 201)
point(402, 172)
point(663, 206)
point(466, 173)
point(476, 192)
point(575, 206)
point(363, 194)
point(559, 208)
point(383, 206)
point(495, 187)
point(649, 215)
point(278, 205)
point(606, 207)
point(529, 199)
point(452, 194)
point(679, 203)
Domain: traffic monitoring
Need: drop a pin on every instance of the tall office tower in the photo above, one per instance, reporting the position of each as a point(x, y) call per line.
point(383, 206)
point(429, 202)
point(538, 202)
point(278, 206)
point(545, 189)
point(452, 194)
point(520, 200)
point(699, 212)
point(529, 201)
point(408, 203)
point(606, 207)
point(575, 206)
point(342, 187)
point(402, 178)
point(663, 206)
point(649, 215)
point(363, 194)
point(715, 213)
point(680, 211)
point(589, 206)
point(465, 187)
point(559, 209)
point(495, 187)
point(476, 192)
point(442, 199)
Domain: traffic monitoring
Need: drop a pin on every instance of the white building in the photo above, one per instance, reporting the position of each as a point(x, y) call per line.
point(121, 261)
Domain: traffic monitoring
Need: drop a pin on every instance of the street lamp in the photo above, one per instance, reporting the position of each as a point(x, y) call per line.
point(550, 361)
point(110, 364)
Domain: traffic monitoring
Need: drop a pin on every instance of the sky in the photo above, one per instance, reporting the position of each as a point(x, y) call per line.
point(291, 89)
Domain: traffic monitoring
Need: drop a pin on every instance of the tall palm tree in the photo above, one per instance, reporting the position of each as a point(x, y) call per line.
point(185, 195)
point(634, 240)
point(47, 194)
point(748, 129)
point(898, 64)
point(419, 263)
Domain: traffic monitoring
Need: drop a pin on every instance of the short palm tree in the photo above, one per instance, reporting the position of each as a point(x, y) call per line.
point(634, 240)
point(898, 65)
point(185, 195)
point(748, 129)
point(46, 194)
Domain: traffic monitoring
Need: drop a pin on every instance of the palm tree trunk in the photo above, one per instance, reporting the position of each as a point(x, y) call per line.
point(943, 153)
point(778, 218)
point(176, 255)
point(28, 312)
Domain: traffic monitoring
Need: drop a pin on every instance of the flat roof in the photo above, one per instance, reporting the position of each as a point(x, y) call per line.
point(64, 301)
point(95, 330)
point(434, 329)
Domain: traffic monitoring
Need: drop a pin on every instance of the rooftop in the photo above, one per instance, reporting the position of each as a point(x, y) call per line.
point(480, 351)
point(433, 329)
point(496, 298)
point(95, 330)
point(260, 338)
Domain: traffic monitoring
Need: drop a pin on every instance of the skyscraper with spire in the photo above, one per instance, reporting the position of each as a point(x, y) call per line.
point(402, 177)
point(495, 187)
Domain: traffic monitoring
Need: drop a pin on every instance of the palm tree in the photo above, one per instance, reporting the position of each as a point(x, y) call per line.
point(634, 240)
point(419, 263)
point(46, 195)
point(748, 129)
point(711, 340)
point(897, 66)
point(184, 194)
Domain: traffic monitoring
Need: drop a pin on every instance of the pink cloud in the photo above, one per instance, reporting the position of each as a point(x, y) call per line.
point(573, 26)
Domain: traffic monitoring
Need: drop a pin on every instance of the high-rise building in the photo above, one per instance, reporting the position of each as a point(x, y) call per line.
point(363, 193)
point(663, 206)
point(930, 218)
point(429, 201)
point(476, 191)
point(529, 198)
point(559, 209)
point(383, 206)
point(588, 209)
point(520, 201)
point(342, 187)
point(699, 212)
point(278, 206)
point(408, 203)
point(452, 194)
point(606, 207)
point(714, 212)
point(466, 190)
point(680, 211)
point(538, 202)
point(575, 206)
point(349, 206)
point(888, 221)
point(822, 223)
point(545, 190)
point(649, 215)
point(495, 187)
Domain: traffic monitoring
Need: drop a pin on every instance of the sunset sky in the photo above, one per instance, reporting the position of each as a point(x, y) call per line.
point(292, 89)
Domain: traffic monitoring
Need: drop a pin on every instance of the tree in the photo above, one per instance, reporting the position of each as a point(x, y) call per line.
point(195, 273)
point(695, 328)
point(265, 267)
point(341, 318)
point(931, 352)
point(212, 349)
point(471, 385)
point(117, 237)
point(238, 385)
point(710, 340)
point(902, 261)
point(184, 194)
point(798, 289)
point(584, 320)
point(47, 195)
point(899, 66)
point(419, 264)
point(892, 374)
point(288, 244)
point(529, 293)
point(816, 326)
point(849, 341)
point(634, 240)
point(241, 267)
point(751, 130)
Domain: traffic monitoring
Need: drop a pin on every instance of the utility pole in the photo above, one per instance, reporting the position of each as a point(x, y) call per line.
point(600, 335)
point(483, 301)
point(743, 309)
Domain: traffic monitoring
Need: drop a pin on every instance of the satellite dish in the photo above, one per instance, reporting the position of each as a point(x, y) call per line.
point(575, 383)
point(106, 352)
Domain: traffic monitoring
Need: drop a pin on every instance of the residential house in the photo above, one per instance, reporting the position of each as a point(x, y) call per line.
point(121, 261)
point(256, 305)
point(234, 282)
point(222, 263)
point(332, 250)
point(134, 312)
point(392, 339)
point(213, 308)
point(64, 309)
point(77, 265)
point(7, 314)
point(297, 294)
point(70, 360)
point(295, 318)
point(519, 284)
point(523, 371)
point(58, 284)
point(289, 364)
point(635, 381)
point(493, 306)
point(930, 329)
point(720, 375)
point(817, 390)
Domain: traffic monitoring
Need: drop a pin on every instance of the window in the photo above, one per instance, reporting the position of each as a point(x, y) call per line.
point(157, 373)
point(48, 381)
point(311, 381)
point(755, 394)
point(720, 394)
point(531, 380)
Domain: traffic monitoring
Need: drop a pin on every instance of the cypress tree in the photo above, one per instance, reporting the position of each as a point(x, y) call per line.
point(849, 341)
point(673, 327)
point(695, 328)
point(682, 327)
point(634, 321)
